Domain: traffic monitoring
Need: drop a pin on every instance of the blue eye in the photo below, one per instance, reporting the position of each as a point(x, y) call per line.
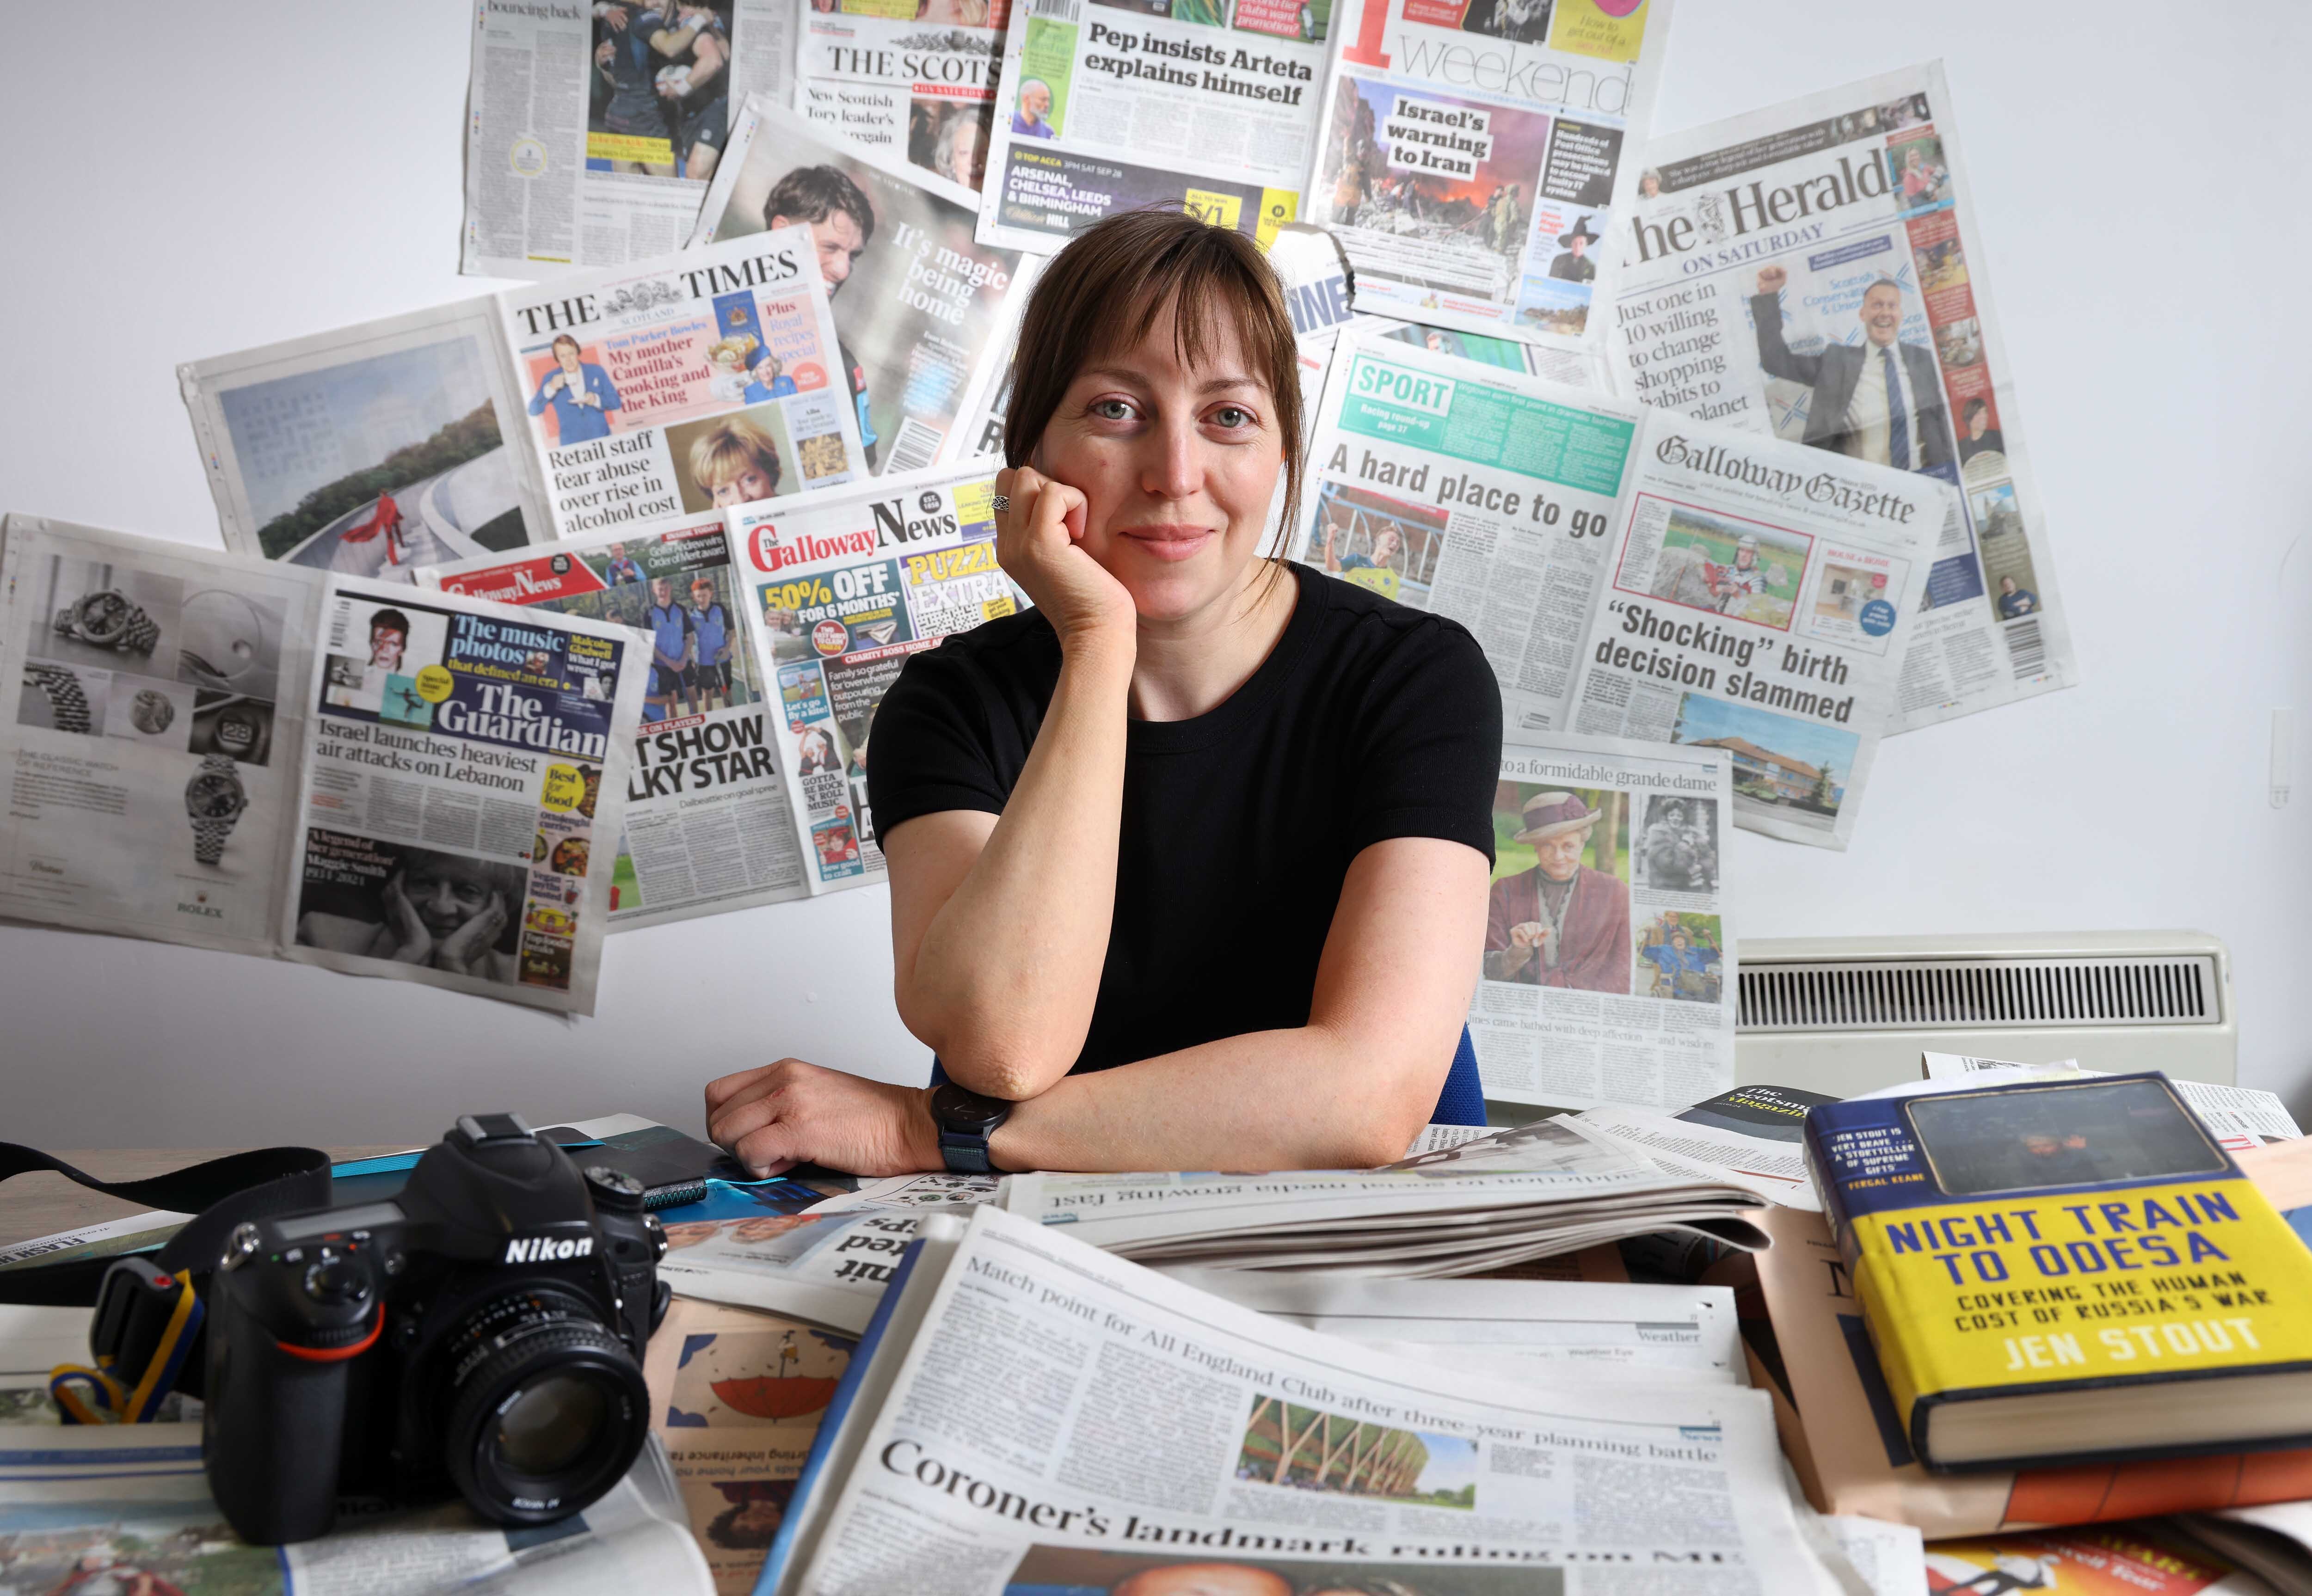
point(1112, 409)
point(1233, 415)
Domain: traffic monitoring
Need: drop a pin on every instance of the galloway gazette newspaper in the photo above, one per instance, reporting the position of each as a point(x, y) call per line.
point(1792, 270)
point(237, 754)
point(592, 127)
point(1631, 573)
point(708, 827)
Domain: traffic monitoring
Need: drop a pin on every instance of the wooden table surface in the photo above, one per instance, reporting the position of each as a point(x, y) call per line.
point(40, 1205)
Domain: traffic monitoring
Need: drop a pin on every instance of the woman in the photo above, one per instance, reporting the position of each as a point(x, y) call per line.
point(1188, 864)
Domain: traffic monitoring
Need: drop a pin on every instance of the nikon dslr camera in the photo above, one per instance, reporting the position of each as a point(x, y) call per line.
point(480, 1335)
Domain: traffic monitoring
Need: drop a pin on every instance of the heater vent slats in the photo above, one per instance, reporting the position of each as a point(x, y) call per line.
point(1970, 994)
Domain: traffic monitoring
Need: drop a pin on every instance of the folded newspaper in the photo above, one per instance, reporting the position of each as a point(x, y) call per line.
point(1533, 1191)
point(1029, 1412)
point(211, 750)
point(912, 79)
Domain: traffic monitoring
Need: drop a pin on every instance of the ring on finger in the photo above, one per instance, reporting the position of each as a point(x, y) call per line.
point(1000, 502)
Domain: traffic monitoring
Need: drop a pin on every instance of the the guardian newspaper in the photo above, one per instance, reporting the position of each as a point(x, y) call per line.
point(707, 829)
point(1816, 272)
point(593, 128)
point(1473, 156)
point(916, 81)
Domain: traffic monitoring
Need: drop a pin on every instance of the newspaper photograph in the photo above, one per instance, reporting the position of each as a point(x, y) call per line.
point(1608, 963)
point(829, 1268)
point(841, 593)
point(918, 303)
point(1208, 106)
point(1471, 157)
point(1816, 272)
point(707, 826)
point(912, 79)
point(1040, 1416)
point(369, 450)
point(591, 131)
point(464, 757)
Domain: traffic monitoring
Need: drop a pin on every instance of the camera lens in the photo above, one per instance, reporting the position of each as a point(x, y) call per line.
point(550, 1423)
point(547, 1408)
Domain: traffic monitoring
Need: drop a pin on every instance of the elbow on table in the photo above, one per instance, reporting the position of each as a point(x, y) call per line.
point(992, 1062)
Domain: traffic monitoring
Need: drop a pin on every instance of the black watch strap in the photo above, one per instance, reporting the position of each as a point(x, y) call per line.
point(966, 1120)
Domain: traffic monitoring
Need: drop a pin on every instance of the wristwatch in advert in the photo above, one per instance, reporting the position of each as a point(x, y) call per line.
point(213, 800)
point(151, 711)
point(966, 1120)
point(238, 730)
point(105, 619)
point(67, 699)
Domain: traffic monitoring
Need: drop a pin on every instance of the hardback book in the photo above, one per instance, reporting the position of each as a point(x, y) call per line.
point(2066, 1271)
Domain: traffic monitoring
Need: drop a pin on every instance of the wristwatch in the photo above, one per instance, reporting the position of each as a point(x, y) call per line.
point(105, 619)
point(67, 699)
point(966, 1120)
point(213, 800)
point(151, 711)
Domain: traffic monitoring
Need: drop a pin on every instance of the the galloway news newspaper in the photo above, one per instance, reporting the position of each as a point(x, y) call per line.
point(1208, 106)
point(1608, 965)
point(217, 750)
point(592, 127)
point(595, 402)
point(1033, 1414)
point(1632, 573)
point(707, 829)
point(839, 592)
point(1788, 271)
point(914, 79)
point(918, 303)
point(1475, 155)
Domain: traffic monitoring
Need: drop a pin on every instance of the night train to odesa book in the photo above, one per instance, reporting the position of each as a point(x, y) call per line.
point(2059, 1271)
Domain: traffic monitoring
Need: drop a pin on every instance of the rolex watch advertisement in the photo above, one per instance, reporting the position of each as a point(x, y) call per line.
point(211, 749)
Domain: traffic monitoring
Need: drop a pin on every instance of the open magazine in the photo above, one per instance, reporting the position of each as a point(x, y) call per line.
point(708, 825)
point(1632, 573)
point(592, 130)
point(1766, 258)
point(604, 400)
point(918, 304)
point(228, 753)
point(916, 81)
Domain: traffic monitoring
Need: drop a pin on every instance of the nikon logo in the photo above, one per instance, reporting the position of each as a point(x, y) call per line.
point(547, 1250)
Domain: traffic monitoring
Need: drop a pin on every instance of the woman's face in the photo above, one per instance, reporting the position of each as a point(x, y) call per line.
point(446, 902)
point(1177, 465)
point(752, 483)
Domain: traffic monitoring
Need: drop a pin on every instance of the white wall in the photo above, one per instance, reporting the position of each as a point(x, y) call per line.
point(186, 181)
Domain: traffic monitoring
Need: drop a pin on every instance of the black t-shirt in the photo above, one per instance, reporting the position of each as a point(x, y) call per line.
point(1367, 721)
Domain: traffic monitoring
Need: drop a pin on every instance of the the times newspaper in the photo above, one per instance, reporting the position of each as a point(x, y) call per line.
point(909, 80)
point(1608, 963)
point(918, 303)
point(212, 749)
point(1104, 106)
point(1765, 261)
point(840, 593)
point(707, 829)
point(1036, 1413)
point(1474, 155)
point(593, 129)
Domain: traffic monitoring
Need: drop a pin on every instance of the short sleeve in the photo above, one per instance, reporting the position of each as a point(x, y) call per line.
point(1428, 750)
point(931, 747)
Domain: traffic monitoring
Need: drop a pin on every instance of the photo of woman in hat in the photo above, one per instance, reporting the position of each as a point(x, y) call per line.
point(1560, 923)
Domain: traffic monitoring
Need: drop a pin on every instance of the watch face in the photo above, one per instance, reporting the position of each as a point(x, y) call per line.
point(103, 616)
point(213, 797)
point(235, 732)
point(151, 711)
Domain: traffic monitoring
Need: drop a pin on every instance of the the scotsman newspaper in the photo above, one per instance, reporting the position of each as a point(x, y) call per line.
point(910, 78)
point(1471, 155)
point(1632, 573)
point(1110, 105)
point(592, 403)
point(1816, 271)
point(210, 750)
point(1034, 1413)
point(593, 128)
point(708, 827)
point(840, 592)
point(1609, 964)
point(918, 303)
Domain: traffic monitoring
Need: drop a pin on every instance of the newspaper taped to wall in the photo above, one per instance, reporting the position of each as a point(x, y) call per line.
point(1471, 157)
point(918, 302)
point(591, 129)
point(708, 829)
point(1207, 106)
point(1034, 1415)
point(840, 592)
point(914, 79)
point(1608, 963)
point(1786, 272)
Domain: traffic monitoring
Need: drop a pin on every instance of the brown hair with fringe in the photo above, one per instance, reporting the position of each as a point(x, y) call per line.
point(1110, 285)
